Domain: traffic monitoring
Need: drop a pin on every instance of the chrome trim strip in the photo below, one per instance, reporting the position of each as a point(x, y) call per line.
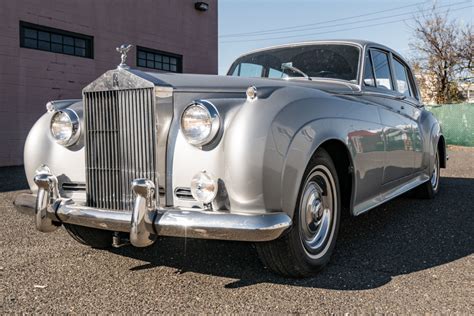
point(56, 105)
point(391, 194)
point(164, 116)
point(382, 95)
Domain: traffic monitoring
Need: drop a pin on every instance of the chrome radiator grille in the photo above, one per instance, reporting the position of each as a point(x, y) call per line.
point(120, 145)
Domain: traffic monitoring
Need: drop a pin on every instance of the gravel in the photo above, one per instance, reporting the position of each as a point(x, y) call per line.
point(406, 256)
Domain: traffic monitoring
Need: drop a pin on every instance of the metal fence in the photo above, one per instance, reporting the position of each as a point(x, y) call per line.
point(457, 121)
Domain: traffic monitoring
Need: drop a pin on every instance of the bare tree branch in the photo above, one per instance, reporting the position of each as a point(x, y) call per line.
point(444, 53)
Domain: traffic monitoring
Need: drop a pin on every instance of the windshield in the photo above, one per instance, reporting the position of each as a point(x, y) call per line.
point(337, 61)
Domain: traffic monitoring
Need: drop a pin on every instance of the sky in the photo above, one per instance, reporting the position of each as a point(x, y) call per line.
point(288, 21)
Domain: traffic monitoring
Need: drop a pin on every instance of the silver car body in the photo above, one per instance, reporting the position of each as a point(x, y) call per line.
point(389, 142)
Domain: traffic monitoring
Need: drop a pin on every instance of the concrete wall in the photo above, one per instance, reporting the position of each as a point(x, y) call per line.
point(30, 78)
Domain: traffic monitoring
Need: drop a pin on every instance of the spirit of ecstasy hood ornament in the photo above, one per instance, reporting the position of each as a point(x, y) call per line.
point(123, 49)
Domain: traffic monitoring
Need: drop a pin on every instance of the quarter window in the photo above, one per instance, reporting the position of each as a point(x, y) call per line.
point(248, 70)
point(55, 40)
point(154, 59)
point(401, 76)
point(382, 69)
point(273, 73)
point(369, 79)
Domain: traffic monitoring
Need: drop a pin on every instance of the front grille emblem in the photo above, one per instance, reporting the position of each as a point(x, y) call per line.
point(115, 80)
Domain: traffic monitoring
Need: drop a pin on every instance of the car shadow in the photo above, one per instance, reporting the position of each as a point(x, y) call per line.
point(400, 237)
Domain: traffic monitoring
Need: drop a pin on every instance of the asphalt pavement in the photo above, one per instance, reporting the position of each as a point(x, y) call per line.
point(406, 256)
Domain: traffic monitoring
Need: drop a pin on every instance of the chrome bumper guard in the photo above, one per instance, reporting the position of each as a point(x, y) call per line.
point(147, 221)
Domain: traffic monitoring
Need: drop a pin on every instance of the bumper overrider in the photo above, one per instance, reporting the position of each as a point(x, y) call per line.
point(147, 220)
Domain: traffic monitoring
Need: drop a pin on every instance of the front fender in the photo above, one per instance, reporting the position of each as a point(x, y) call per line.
point(301, 128)
point(251, 151)
point(41, 148)
point(302, 148)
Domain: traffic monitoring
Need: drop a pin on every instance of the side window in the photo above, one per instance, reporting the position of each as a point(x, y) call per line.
point(401, 75)
point(248, 70)
point(369, 79)
point(273, 73)
point(382, 69)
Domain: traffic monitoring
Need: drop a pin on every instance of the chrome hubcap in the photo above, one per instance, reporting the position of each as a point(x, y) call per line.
point(435, 174)
point(317, 210)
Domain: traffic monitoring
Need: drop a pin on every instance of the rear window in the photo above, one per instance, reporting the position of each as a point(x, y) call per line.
point(401, 75)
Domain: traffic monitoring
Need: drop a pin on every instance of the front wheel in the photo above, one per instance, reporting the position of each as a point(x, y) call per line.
point(307, 247)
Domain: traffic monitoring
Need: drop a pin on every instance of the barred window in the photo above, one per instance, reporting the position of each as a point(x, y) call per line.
point(154, 59)
point(55, 40)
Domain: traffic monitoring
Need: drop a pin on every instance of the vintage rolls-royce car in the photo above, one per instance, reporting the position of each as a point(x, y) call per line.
point(293, 138)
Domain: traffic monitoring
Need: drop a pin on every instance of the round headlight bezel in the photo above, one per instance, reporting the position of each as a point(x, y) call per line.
point(214, 117)
point(75, 127)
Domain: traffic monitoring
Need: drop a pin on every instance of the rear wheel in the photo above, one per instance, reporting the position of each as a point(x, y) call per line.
point(307, 247)
point(429, 189)
point(95, 238)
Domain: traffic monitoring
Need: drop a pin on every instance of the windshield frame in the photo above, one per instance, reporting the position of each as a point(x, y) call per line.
point(356, 81)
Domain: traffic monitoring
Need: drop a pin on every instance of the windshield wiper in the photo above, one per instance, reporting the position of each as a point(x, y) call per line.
point(294, 69)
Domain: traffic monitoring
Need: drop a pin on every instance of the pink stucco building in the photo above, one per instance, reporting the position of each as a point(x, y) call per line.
point(51, 49)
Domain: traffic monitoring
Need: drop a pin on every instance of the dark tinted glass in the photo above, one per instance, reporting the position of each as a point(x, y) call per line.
point(158, 60)
point(30, 33)
point(43, 36)
point(322, 60)
point(54, 40)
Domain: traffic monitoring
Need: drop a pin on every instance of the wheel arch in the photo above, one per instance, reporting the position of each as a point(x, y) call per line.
point(342, 160)
point(299, 156)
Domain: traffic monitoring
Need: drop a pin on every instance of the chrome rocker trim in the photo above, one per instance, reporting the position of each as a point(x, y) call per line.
point(147, 221)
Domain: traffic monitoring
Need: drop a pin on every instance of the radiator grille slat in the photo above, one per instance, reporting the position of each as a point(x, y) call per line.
point(120, 145)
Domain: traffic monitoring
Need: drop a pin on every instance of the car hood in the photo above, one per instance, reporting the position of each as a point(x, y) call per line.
point(214, 83)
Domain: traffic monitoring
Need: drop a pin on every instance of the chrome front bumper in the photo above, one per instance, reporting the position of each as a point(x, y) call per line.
point(147, 221)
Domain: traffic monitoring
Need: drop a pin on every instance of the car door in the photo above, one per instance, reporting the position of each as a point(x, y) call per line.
point(397, 126)
point(405, 85)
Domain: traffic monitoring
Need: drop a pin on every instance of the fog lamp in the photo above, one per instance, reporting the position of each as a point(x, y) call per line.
point(204, 187)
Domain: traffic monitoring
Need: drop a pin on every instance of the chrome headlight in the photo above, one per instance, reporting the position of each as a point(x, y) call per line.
point(65, 127)
point(200, 123)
